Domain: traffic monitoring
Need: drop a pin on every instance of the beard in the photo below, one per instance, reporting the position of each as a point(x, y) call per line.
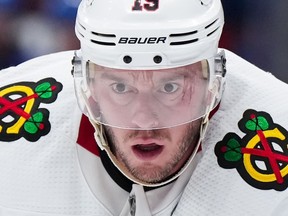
point(151, 173)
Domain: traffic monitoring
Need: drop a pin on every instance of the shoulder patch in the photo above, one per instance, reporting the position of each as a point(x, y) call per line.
point(261, 156)
point(20, 115)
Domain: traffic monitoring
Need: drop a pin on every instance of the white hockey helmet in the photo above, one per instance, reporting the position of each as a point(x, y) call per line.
point(148, 34)
point(121, 39)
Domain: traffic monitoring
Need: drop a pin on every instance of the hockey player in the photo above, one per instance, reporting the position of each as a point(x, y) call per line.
point(155, 134)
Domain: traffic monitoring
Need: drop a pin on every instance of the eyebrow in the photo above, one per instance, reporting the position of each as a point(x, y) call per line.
point(109, 76)
point(176, 75)
point(170, 78)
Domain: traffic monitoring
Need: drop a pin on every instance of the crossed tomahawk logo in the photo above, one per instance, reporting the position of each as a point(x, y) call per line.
point(261, 156)
point(20, 115)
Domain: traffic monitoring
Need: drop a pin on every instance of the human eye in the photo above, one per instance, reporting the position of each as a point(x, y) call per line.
point(169, 88)
point(120, 88)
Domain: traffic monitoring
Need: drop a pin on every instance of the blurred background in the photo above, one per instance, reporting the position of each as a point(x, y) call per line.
point(256, 30)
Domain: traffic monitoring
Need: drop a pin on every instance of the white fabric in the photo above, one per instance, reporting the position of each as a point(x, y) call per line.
point(45, 178)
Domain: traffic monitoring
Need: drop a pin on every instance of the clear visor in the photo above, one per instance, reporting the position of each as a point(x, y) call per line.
point(145, 99)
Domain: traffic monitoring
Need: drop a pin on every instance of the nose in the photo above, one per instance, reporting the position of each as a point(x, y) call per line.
point(145, 113)
point(145, 120)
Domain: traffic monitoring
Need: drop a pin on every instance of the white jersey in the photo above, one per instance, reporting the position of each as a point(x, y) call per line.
point(50, 164)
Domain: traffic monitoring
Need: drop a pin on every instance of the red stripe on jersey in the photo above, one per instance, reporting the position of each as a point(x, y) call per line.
point(86, 136)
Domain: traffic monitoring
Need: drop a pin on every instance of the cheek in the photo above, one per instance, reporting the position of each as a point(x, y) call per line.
point(111, 114)
point(186, 135)
point(117, 136)
point(177, 134)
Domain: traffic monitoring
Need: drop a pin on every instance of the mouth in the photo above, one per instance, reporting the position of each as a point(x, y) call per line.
point(147, 151)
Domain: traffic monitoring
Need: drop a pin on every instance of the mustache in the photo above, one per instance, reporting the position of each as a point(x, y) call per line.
point(160, 134)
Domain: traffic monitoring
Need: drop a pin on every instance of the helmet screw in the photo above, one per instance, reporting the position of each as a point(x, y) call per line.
point(127, 59)
point(157, 59)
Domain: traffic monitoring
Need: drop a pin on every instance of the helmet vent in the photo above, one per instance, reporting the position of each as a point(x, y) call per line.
point(104, 35)
point(184, 34)
point(212, 32)
point(103, 43)
point(80, 34)
point(211, 24)
point(79, 29)
point(194, 36)
point(102, 38)
point(81, 26)
point(184, 42)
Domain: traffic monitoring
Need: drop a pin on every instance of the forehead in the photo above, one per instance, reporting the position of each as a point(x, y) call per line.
point(199, 68)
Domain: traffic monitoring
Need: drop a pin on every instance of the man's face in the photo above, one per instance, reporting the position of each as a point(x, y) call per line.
point(154, 155)
point(146, 100)
point(145, 114)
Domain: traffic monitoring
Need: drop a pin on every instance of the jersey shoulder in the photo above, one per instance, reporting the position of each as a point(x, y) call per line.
point(39, 124)
point(34, 95)
point(57, 65)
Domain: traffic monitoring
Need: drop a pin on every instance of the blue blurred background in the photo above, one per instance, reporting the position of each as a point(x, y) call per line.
point(256, 30)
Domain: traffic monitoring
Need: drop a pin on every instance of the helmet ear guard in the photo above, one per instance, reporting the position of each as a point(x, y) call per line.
point(220, 74)
point(79, 70)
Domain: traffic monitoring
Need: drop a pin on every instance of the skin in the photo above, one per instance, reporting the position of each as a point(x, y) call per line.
point(154, 155)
